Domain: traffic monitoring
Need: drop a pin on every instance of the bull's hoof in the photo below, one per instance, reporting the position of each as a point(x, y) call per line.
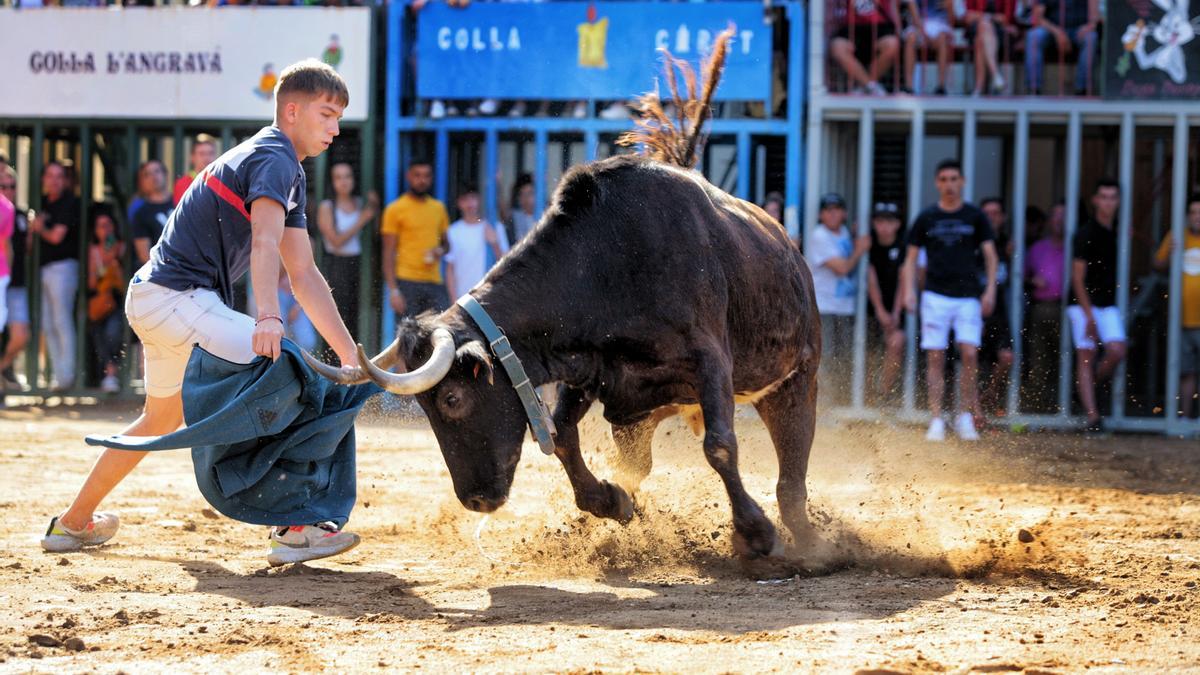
point(770, 567)
point(620, 505)
point(758, 541)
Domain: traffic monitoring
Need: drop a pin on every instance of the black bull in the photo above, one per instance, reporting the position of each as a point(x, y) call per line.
point(651, 291)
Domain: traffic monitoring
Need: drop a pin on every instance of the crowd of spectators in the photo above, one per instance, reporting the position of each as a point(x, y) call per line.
point(953, 270)
point(878, 44)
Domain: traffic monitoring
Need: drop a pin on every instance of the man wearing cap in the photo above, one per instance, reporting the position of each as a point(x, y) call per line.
point(833, 256)
point(884, 290)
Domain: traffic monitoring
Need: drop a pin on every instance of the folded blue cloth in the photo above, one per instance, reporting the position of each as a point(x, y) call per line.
point(272, 441)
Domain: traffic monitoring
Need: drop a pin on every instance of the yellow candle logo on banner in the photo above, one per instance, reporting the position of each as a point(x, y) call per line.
point(593, 38)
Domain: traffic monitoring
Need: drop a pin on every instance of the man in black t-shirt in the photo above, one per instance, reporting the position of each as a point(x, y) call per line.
point(996, 350)
point(953, 234)
point(883, 289)
point(56, 228)
point(151, 216)
point(1093, 311)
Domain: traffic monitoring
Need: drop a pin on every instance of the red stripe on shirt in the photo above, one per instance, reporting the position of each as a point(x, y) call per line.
point(226, 193)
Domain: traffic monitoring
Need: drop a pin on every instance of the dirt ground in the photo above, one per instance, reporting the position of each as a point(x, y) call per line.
point(939, 578)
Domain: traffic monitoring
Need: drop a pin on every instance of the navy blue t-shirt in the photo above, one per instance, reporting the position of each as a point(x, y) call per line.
point(206, 243)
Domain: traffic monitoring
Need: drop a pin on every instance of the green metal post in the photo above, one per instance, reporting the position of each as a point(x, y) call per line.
point(34, 262)
point(85, 230)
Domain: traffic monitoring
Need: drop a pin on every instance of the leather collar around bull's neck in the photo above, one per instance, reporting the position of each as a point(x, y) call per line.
point(540, 422)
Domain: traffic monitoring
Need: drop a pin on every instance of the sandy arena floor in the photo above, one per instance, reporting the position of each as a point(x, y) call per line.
point(941, 581)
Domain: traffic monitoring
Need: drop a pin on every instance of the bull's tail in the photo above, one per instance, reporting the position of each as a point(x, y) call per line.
point(678, 141)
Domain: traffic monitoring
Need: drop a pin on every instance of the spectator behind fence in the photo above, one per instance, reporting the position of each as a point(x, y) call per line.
point(475, 245)
point(833, 256)
point(340, 221)
point(57, 227)
point(773, 205)
point(414, 241)
point(151, 217)
point(524, 208)
point(204, 151)
point(1068, 22)
point(929, 28)
point(865, 45)
point(986, 21)
point(1094, 314)
point(16, 297)
point(142, 189)
point(106, 284)
point(887, 256)
point(1189, 338)
point(996, 350)
point(1044, 277)
point(954, 234)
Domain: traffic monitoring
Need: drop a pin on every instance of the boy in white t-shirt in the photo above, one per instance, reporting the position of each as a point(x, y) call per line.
point(475, 245)
point(833, 256)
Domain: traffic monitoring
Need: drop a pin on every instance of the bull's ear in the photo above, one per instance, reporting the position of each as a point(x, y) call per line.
point(410, 335)
point(475, 356)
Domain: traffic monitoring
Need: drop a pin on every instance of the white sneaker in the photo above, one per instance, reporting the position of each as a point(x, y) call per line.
point(937, 430)
point(61, 539)
point(518, 109)
point(964, 427)
point(488, 106)
point(615, 111)
point(998, 84)
point(437, 110)
point(579, 111)
point(876, 89)
point(110, 385)
point(300, 543)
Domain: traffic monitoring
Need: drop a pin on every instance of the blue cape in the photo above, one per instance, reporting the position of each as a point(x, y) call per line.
point(272, 441)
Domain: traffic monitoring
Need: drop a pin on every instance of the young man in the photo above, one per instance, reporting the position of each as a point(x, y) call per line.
point(414, 241)
point(833, 255)
point(1189, 343)
point(204, 151)
point(953, 233)
point(245, 212)
point(57, 229)
point(151, 217)
point(1093, 311)
point(475, 245)
point(884, 290)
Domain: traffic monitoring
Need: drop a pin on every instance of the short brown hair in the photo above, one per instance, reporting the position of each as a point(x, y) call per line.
point(313, 78)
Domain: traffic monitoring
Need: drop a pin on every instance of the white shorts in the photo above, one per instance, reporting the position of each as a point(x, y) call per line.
point(934, 27)
point(940, 314)
point(170, 322)
point(1109, 324)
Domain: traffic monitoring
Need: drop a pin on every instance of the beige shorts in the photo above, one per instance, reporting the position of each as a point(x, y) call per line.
point(170, 322)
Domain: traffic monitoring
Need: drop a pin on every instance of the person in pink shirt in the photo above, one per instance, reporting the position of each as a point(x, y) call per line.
point(1044, 277)
point(8, 214)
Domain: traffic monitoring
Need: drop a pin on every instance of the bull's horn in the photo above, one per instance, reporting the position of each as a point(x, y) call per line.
point(385, 360)
point(421, 379)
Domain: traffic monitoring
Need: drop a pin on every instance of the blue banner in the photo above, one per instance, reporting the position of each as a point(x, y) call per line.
point(582, 50)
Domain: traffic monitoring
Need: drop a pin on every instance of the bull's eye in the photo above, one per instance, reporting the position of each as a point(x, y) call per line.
point(452, 403)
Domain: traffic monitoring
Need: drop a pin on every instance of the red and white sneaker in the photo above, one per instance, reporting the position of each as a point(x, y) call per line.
point(300, 543)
